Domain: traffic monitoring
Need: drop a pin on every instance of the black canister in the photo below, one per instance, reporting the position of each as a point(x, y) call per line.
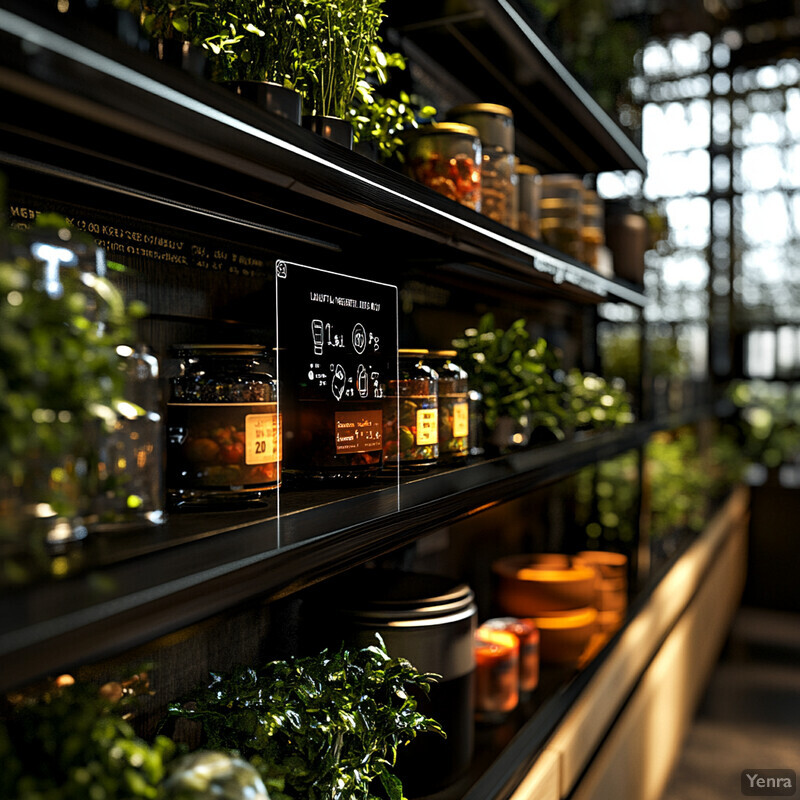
point(429, 620)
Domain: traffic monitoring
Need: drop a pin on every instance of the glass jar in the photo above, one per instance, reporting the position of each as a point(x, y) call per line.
point(446, 157)
point(412, 439)
point(454, 416)
point(496, 673)
point(495, 125)
point(592, 227)
point(131, 455)
point(561, 213)
point(223, 432)
point(529, 191)
point(528, 637)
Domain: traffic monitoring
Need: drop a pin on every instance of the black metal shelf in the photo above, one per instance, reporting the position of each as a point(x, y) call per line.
point(83, 108)
point(113, 592)
point(494, 50)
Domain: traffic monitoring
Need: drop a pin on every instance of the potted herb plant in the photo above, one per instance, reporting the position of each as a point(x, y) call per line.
point(256, 48)
point(320, 727)
point(171, 26)
point(340, 49)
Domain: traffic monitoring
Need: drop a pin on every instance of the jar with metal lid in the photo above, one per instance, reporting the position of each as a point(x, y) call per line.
point(430, 621)
point(561, 213)
point(529, 190)
point(411, 414)
point(446, 157)
point(223, 432)
point(592, 227)
point(454, 416)
point(495, 125)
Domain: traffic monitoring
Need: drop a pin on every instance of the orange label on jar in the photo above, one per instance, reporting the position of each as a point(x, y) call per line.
point(460, 420)
point(262, 445)
point(358, 431)
point(427, 426)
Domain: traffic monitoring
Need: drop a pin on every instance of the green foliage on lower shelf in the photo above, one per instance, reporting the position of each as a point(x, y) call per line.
point(522, 378)
point(73, 744)
point(321, 727)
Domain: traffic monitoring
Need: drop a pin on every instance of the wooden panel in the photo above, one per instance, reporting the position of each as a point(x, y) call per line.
point(590, 717)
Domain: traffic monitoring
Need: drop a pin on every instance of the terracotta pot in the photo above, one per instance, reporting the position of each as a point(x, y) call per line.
point(272, 97)
point(333, 128)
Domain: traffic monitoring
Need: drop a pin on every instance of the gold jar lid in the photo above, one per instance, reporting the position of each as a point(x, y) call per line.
point(446, 128)
point(526, 169)
point(413, 351)
point(443, 353)
point(481, 108)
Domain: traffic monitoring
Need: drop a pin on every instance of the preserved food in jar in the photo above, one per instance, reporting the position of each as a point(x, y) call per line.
point(454, 411)
point(495, 126)
point(560, 217)
point(446, 157)
point(223, 431)
point(411, 414)
point(528, 200)
point(592, 227)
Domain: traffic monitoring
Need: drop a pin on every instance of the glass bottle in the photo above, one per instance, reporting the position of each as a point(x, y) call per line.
point(131, 455)
point(223, 432)
point(496, 673)
point(411, 414)
point(495, 125)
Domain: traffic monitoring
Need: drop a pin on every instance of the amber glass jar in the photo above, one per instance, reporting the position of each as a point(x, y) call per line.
point(446, 157)
point(496, 673)
point(495, 125)
point(411, 440)
point(223, 433)
point(528, 637)
point(529, 190)
point(561, 213)
point(592, 227)
point(454, 411)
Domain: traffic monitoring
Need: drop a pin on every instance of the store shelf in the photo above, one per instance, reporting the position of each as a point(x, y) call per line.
point(115, 122)
point(113, 592)
point(493, 49)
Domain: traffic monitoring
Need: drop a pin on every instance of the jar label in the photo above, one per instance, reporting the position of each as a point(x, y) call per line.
point(358, 431)
point(460, 420)
point(261, 439)
point(427, 426)
point(223, 445)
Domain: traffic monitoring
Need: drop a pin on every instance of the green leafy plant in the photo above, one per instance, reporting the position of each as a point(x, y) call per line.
point(593, 402)
point(319, 727)
point(165, 19)
point(515, 374)
point(256, 40)
point(340, 50)
point(73, 744)
point(380, 119)
point(60, 371)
